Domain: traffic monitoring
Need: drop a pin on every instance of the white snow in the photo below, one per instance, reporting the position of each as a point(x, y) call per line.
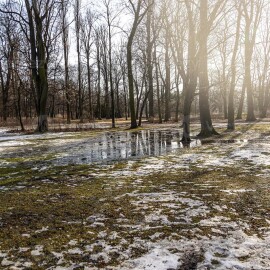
point(75, 251)
point(6, 262)
point(159, 258)
point(37, 251)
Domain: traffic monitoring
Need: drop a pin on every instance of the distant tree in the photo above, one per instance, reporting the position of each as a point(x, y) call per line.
point(65, 33)
point(87, 42)
point(252, 13)
point(149, 50)
point(263, 53)
point(231, 124)
point(77, 16)
point(139, 11)
point(8, 46)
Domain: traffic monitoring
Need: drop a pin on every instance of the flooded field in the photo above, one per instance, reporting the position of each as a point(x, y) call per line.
point(135, 200)
point(108, 146)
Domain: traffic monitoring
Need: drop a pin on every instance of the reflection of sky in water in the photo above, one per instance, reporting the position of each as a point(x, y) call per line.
point(63, 148)
point(109, 146)
point(125, 145)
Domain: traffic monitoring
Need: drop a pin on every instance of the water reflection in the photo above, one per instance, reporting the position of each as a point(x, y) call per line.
point(109, 146)
point(125, 145)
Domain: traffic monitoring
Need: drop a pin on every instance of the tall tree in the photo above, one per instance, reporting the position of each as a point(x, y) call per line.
point(231, 123)
point(111, 20)
point(65, 33)
point(252, 13)
point(138, 14)
point(87, 42)
point(149, 52)
point(206, 23)
point(167, 60)
point(38, 22)
point(77, 14)
point(8, 44)
point(187, 69)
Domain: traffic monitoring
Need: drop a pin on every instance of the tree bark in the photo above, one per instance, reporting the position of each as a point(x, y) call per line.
point(167, 78)
point(150, 66)
point(231, 123)
point(207, 128)
point(38, 62)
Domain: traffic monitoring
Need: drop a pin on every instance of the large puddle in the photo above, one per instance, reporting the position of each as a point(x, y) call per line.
point(110, 146)
point(126, 145)
point(84, 148)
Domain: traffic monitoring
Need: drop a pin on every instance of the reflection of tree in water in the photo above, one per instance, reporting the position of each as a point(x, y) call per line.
point(134, 139)
point(168, 140)
point(152, 143)
point(186, 144)
point(123, 145)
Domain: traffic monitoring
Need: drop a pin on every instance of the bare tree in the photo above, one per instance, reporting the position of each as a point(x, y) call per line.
point(77, 15)
point(231, 124)
point(65, 33)
point(206, 22)
point(139, 11)
point(87, 42)
point(39, 19)
point(252, 13)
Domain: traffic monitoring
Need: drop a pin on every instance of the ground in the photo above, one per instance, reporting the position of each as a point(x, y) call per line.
point(123, 199)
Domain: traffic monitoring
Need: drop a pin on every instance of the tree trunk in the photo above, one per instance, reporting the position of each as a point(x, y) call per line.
point(38, 63)
point(250, 103)
point(98, 80)
point(207, 128)
point(111, 78)
point(250, 36)
point(66, 52)
point(241, 102)
point(177, 99)
point(90, 107)
point(266, 102)
point(191, 77)
point(167, 79)
point(231, 124)
point(142, 107)
point(150, 66)
point(78, 48)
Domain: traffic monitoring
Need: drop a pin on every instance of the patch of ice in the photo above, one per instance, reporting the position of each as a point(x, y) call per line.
point(23, 249)
point(2, 254)
point(159, 258)
point(102, 234)
point(256, 153)
point(75, 251)
point(73, 242)
point(6, 262)
point(234, 191)
point(156, 235)
point(156, 217)
point(37, 251)
point(58, 255)
point(27, 235)
point(214, 221)
point(27, 264)
point(43, 229)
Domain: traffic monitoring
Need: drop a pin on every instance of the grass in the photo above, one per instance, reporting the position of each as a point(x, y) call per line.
point(84, 202)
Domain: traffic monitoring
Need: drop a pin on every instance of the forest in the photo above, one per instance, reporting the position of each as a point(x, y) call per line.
point(154, 60)
point(134, 134)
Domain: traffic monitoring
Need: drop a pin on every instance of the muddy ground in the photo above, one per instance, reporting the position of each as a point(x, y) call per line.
point(121, 199)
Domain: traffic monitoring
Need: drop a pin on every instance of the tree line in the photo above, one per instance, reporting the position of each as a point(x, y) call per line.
point(159, 59)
